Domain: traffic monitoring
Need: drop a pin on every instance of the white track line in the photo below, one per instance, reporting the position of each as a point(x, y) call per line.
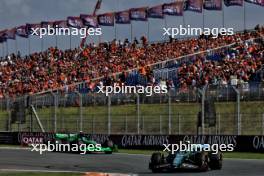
point(15, 148)
point(51, 171)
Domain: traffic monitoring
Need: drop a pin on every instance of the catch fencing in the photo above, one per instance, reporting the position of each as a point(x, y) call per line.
point(239, 110)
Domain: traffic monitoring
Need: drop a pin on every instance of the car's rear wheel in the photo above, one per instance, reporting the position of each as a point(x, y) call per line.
point(216, 161)
point(109, 144)
point(156, 160)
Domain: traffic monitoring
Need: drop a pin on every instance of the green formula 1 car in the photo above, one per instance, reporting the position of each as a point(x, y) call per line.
point(83, 144)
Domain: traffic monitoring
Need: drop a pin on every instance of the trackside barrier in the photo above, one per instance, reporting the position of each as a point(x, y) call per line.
point(151, 142)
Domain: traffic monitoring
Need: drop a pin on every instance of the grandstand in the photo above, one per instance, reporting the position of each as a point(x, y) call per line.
point(181, 63)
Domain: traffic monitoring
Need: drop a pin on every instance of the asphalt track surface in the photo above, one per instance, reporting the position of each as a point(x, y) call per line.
point(14, 159)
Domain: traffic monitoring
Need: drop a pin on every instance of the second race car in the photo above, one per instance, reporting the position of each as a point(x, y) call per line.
point(84, 143)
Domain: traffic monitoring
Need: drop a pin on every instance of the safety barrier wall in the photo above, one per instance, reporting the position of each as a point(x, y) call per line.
point(151, 142)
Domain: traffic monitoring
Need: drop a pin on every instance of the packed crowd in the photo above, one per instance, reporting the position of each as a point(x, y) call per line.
point(238, 66)
point(54, 68)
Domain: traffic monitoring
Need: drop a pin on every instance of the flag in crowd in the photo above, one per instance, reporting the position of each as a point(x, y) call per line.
point(155, 12)
point(106, 19)
point(194, 5)
point(45, 24)
point(122, 17)
point(213, 4)
point(2, 39)
point(32, 28)
point(11, 34)
point(75, 22)
point(138, 14)
point(258, 2)
point(22, 31)
point(60, 24)
point(175, 8)
point(2, 36)
point(89, 20)
point(233, 2)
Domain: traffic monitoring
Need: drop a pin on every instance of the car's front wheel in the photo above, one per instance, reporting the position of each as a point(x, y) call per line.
point(202, 161)
point(216, 161)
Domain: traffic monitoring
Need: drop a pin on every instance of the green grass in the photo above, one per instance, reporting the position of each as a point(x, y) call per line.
point(95, 118)
point(9, 145)
point(37, 174)
point(236, 155)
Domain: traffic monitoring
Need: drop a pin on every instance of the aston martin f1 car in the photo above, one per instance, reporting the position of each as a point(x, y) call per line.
point(84, 143)
point(197, 160)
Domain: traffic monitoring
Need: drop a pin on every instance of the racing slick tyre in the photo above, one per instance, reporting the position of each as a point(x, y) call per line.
point(156, 160)
point(109, 144)
point(202, 161)
point(216, 161)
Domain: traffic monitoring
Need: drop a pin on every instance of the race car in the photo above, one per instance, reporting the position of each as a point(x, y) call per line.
point(197, 160)
point(107, 147)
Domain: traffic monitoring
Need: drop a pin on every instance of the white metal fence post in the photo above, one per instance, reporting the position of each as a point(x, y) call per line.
point(219, 124)
point(160, 124)
point(81, 111)
point(109, 114)
point(9, 113)
point(179, 123)
point(203, 109)
point(169, 112)
point(143, 124)
point(126, 124)
point(55, 102)
point(238, 111)
point(138, 115)
point(93, 125)
point(263, 124)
